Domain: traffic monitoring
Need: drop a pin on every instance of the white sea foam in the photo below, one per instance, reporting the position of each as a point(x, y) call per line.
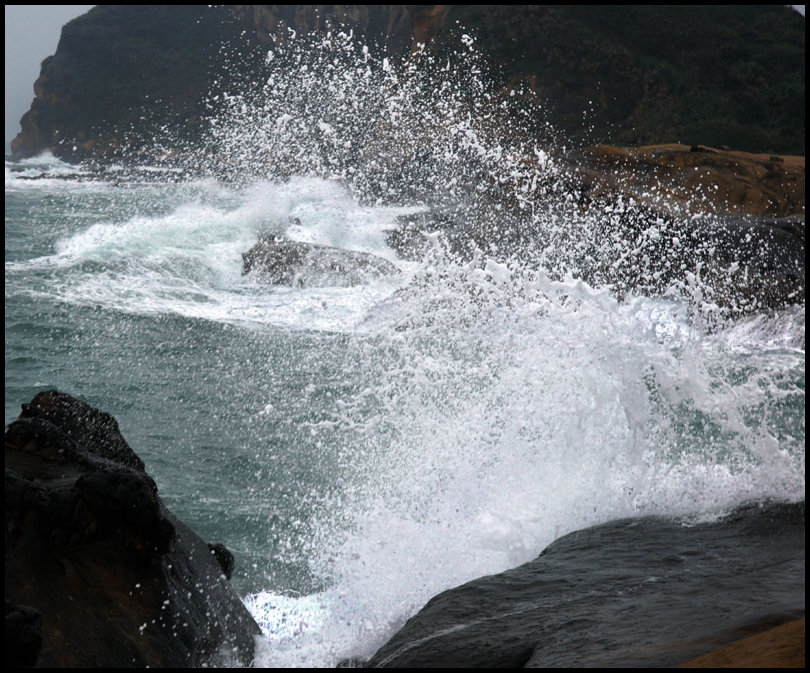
point(483, 452)
point(188, 262)
point(44, 171)
point(499, 402)
point(515, 403)
point(491, 439)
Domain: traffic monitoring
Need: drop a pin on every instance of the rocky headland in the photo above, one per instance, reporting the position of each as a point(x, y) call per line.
point(98, 573)
point(741, 215)
point(622, 75)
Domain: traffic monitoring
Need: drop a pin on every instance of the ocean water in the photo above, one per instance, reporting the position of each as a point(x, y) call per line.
point(361, 448)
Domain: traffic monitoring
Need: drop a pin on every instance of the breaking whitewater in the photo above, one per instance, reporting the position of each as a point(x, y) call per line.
point(530, 364)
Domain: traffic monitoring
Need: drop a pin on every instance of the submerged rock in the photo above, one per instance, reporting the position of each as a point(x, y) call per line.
point(98, 572)
point(641, 592)
point(283, 262)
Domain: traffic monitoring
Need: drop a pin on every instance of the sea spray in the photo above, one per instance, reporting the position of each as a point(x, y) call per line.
point(431, 129)
point(555, 364)
point(526, 388)
point(476, 443)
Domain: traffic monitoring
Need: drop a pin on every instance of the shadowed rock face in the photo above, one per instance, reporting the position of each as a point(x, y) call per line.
point(639, 592)
point(729, 225)
point(388, 25)
point(282, 262)
point(97, 571)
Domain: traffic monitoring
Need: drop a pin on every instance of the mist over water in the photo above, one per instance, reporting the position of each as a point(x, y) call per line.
point(363, 447)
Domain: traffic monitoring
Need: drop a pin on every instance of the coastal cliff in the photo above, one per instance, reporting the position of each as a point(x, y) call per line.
point(617, 75)
point(121, 72)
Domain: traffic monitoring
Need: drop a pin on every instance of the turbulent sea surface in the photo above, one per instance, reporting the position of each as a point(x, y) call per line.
point(361, 448)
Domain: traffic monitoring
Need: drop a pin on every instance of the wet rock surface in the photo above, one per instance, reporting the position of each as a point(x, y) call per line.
point(751, 263)
point(779, 647)
point(639, 592)
point(97, 571)
point(279, 261)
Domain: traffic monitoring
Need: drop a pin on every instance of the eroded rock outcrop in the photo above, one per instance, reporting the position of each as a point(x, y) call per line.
point(695, 179)
point(726, 228)
point(739, 220)
point(779, 647)
point(98, 572)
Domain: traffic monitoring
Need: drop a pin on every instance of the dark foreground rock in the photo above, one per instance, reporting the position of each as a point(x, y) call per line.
point(280, 261)
point(640, 592)
point(98, 572)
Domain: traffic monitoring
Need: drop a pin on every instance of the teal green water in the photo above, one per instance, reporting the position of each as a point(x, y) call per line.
point(360, 449)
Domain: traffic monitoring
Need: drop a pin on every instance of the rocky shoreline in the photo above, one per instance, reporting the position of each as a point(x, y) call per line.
point(727, 227)
point(99, 573)
point(695, 179)
point(745, 214)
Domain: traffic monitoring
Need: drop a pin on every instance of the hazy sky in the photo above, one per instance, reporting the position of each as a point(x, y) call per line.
point(32, 33)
